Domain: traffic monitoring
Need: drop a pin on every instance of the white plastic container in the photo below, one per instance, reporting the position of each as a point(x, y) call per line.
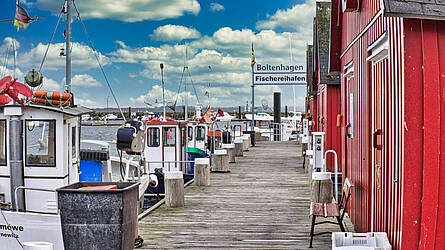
point(360, 241)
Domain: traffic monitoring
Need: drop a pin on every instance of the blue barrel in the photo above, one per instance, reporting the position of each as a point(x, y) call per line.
point(191, 165)
point(90, 171)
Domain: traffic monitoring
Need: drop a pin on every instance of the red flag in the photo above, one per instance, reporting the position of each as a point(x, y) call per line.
point(220, 112)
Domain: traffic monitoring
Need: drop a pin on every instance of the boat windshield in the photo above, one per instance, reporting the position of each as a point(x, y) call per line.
point(40, 138)
point(190, 133)
point(169, 137)
point(200, 133)
point(153, 137)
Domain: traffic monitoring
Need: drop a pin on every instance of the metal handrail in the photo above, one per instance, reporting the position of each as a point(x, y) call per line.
point(28, 188)
point(335, 169)
point(169, 163)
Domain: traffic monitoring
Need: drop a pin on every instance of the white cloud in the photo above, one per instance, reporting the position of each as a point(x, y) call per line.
point(51, 85)
point(216, 7)
point(171, 32)
point(85, 80)
point(299, 18)
point(128, 10)
point(154, 97)
point(87, 102)
point(82, 57)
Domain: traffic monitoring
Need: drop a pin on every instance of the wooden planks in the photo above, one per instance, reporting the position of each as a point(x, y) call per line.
point(263, 203)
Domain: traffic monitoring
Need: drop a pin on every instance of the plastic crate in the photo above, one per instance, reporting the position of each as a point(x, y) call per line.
point(368, 241)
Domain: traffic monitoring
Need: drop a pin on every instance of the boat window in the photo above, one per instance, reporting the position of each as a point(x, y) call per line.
point(40, 140)
point(73, 142)
point(169, 137)
point(2, 142)
point(190, 133)
point(200, 133)
point(153, 137)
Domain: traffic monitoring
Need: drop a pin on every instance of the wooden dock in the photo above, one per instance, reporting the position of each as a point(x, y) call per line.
point(263, 203)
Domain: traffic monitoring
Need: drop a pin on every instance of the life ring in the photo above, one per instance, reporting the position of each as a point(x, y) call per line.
point(43, 100)
point(53, 95)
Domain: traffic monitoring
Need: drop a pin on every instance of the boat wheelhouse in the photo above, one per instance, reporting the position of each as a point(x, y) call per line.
point(197, 137)
point(165, 145)
point(39, 150)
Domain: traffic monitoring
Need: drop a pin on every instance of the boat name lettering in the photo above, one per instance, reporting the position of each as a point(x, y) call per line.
point(11, 227)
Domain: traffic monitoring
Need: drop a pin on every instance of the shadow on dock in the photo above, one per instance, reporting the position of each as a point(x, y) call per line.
point(263, 203)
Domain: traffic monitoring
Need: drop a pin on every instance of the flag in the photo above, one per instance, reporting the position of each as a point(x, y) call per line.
point(22, 18)
point(206, 117)
point(220, 112)
point(253, 57)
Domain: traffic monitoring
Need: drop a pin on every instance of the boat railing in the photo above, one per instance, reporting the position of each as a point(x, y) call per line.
point(170, 163)
point(33, 189)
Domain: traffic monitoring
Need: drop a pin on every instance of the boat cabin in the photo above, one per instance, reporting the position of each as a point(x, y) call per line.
point(39, 149)
point(197, 137)
point(165, 145)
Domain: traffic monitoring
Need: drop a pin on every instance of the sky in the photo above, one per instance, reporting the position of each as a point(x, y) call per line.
point(132, 37)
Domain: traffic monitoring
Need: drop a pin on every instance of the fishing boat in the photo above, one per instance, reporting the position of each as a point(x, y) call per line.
point(39, 153)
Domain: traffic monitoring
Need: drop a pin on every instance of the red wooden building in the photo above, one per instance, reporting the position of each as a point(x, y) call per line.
point(324, 86)
point(391, 56)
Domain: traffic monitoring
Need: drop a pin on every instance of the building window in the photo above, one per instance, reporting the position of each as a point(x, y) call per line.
point(169, 137)
point(2, 142)
point(200, 133)
point(40, 143)
point(153, 137)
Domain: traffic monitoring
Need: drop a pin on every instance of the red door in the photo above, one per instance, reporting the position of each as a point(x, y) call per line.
point(379, 170)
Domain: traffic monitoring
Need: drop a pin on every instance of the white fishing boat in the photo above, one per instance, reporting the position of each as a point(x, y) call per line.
point(110, 117)
point(39, 153)
point(86, 117)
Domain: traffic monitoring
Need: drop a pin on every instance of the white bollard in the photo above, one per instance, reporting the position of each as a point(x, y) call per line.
point(202, 172)
point(38, 245)
point(174, 189)
point(246, 140)
point(239, 147)
point(220, 161)
point(230, 151)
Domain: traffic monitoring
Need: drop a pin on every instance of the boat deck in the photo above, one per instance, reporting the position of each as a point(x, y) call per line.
point(263, 203)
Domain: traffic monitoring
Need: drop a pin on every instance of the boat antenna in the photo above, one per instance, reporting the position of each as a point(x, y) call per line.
point(98, 61)
point(67, 47)
point(163, 94)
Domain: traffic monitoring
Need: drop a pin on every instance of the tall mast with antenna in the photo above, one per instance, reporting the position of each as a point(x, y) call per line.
point(185, 85)
point(67, 49)
point(163, 95)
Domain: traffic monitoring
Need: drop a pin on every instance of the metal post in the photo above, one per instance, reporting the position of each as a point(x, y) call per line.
point(16, 162)
point(186, 112)
point(163, 95)
point(277, 115)
point(68, 47)
point(253, 109)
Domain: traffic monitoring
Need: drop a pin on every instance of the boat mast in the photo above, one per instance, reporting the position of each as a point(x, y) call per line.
point(163, 95)
point(185, 85)
point(68, 47)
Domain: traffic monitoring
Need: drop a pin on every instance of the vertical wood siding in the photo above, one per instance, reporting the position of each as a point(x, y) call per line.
point(377, 192)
